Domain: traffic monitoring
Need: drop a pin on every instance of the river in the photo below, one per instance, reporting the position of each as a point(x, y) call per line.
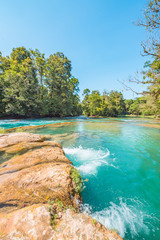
point(119, 160)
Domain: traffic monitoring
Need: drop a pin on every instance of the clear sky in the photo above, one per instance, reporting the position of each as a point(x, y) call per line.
point(98, 36)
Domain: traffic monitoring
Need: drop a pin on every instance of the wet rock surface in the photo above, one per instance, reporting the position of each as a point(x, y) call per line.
point(31, 182)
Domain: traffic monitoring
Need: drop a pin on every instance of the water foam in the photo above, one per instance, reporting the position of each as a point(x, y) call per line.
point(89, 158)
point(124, 217)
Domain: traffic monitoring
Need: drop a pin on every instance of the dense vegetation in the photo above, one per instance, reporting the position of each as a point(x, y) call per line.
point(32, 85)
point(108, 104)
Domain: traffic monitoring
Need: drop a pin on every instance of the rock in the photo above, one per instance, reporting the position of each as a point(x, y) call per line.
point(34, 222)
point(36, 184)
point(43, 155)
point(28, 223)
point(81, 226)
point(41, 173)
point(51, 125)
point(25, 146)
point(14, 138)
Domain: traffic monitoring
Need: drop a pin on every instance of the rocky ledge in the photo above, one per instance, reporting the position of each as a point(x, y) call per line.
point(40, 193)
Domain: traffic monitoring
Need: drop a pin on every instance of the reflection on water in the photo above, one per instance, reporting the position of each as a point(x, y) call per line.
point(121, 160)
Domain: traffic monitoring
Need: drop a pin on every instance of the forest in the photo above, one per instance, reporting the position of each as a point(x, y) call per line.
point(32, 85)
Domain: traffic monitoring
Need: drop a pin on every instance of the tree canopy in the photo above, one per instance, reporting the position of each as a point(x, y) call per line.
point(32, 85)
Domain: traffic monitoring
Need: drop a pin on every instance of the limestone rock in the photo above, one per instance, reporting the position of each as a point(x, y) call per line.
point(36, 184)
point(32, 158)
point(14, 138)
point(34, 223)
point(79, 226)
point(22, 147)
point(26, 224)
point(40, 173)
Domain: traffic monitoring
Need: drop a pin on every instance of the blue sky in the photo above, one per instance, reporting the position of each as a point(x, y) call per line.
point(98, 36)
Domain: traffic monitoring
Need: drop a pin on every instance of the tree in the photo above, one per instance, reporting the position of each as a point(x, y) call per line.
point(95, 103)
point(151, 48)
point(151, 22)
point(151, 75)
point(61, 86)
point(85, 102)
point(73, 98)
point(19, 83)
point(108, 104)
point(31, 85)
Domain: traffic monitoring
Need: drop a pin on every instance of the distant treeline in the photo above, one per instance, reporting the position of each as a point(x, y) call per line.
point(34, 86)
point(112, 104)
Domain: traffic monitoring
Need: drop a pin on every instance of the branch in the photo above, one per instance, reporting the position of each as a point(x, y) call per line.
point(127, 88)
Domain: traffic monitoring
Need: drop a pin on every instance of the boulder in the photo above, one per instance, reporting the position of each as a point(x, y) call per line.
point(36, 184)
point(34, 222)
point(43, 155)
point(22, 147)
point(38, 194)
point(14, 138)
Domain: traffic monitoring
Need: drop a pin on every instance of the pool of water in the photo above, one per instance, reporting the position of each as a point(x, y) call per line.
point(120, 161)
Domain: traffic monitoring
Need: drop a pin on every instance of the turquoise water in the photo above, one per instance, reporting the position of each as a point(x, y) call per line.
point(121, 160)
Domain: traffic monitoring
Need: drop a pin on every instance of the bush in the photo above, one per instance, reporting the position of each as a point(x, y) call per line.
point(77, 179)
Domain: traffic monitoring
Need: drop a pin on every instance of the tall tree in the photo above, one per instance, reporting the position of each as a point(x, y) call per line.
point(58, 72)
point(151, 75)
point(151, 48)
point(20, 84)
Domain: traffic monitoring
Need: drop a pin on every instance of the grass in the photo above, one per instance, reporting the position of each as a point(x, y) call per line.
point(77, 179)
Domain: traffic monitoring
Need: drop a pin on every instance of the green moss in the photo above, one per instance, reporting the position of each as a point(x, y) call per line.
point(2, 131)
point(60, 204)
point(94, 221)
point(77, 179)
point(19, 130)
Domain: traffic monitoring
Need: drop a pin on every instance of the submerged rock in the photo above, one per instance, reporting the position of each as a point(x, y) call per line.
point(38, 194)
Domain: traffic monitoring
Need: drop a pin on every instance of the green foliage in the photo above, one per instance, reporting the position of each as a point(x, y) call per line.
point(32, 85)
point(77, 179)
point(2, 131)
point(108, 104)
point(60, 204)
point(94, 221)
point(151, 73)
point(19, 129)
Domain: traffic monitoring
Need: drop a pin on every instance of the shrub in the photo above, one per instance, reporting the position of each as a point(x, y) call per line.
point(77, 179)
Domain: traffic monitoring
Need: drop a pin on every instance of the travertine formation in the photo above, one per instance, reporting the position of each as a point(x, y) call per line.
point(38, 197)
